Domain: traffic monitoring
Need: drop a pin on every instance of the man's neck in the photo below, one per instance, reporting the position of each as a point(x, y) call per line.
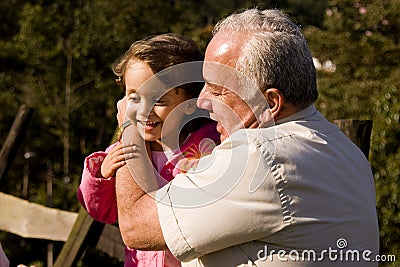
point(286, 111)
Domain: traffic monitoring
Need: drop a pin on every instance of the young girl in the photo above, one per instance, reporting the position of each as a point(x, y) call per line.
point(145, 58)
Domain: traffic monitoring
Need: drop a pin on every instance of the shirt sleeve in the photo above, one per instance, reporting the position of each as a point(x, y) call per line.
point(230, 199)
point(97, 194)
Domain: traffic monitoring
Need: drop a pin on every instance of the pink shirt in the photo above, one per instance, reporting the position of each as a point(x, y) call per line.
point(97, 194)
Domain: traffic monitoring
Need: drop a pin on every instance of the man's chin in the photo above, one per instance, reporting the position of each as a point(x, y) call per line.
point(222, 132)
point(223, 135)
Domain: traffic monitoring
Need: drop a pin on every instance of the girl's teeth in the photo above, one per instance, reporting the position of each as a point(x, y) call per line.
point(144, 123)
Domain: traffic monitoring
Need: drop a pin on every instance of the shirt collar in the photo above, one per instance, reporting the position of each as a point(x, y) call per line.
point(304, 113)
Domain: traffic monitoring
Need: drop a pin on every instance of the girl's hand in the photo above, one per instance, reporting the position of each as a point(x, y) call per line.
point(115, 159)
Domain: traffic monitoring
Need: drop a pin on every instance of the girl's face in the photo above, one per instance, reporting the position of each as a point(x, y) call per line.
point(159, 116)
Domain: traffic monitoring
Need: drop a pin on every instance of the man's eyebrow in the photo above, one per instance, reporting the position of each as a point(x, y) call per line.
point(215, 86)
point(209, 82)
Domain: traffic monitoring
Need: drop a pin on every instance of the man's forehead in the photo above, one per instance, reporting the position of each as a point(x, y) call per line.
point(222, 42)
point(221, 56)
point(221, 48)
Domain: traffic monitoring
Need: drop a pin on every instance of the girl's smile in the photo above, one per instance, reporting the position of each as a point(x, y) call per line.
point(149, 125)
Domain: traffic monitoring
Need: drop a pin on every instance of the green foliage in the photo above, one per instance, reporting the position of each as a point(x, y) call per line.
point(362, 40)
point(56, 56)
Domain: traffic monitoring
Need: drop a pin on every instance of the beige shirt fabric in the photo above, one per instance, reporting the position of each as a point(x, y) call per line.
point(299, 193)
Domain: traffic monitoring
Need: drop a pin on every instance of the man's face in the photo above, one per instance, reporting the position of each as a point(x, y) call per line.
point(219, 95)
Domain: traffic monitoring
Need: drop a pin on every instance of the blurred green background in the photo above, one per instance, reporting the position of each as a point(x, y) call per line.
point(56, 57)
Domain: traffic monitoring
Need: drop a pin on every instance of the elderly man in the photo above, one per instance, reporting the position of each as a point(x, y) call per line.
point(284, 188)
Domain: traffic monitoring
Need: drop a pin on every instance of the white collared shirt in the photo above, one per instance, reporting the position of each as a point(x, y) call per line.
point(299, 185)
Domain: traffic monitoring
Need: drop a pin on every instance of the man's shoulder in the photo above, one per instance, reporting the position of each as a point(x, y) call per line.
point(304, 128)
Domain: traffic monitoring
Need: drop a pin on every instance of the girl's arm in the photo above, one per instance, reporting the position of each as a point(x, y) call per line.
point(95, 193)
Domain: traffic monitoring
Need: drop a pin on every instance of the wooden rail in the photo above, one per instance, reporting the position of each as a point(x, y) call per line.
point(31, 220)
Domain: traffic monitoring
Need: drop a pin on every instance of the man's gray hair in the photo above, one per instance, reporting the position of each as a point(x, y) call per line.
point(276, 54)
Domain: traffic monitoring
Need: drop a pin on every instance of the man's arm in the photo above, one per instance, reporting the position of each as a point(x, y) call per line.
point(137, 214)
point(137, 210)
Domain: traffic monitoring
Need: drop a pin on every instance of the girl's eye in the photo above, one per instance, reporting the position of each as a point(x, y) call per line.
point(134, 98)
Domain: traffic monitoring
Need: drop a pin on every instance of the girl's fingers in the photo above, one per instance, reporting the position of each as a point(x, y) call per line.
point(128, 146)
point(123, 157)
point(129, 156)
point(122, 149)
point(129, 149)
point(119, 164)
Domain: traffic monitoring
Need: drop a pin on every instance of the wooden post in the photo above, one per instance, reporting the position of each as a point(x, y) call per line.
point(85, 232)
point(358, 131)
point(14, 137)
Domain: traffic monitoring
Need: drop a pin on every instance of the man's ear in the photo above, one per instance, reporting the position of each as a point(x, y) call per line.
point(190, 106)
point(275, 100)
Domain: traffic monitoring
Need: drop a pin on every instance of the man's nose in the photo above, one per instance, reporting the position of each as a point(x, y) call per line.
point(204, 100)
